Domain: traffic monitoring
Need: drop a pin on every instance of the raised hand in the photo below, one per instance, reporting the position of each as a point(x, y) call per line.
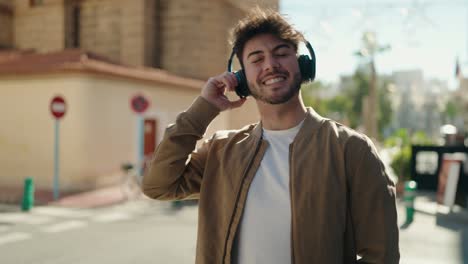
point(215, 90)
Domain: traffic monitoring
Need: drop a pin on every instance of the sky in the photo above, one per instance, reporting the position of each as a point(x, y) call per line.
point(426, 35)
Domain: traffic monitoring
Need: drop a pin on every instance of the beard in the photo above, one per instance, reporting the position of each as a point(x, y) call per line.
point(258, 93)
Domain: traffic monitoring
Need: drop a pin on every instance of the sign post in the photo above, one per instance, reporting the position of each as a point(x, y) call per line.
point(58, 108)
point(139, 104)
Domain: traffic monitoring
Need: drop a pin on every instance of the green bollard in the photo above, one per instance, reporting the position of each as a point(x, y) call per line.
point(28, 194)
point(177, 205)
point(409, 196)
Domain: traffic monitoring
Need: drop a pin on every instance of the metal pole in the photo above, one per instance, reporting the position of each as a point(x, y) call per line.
point(56, 159)
point(140, 143)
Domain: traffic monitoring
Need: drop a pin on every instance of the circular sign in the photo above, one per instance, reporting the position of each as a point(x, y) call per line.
point(139, 103)
point(58, 107)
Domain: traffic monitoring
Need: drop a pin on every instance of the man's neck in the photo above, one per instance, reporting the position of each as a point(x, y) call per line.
point(282, 116)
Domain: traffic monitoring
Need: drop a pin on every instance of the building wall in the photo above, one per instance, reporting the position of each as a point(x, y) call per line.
point(188, 38)
point(27, 136)
point(113, 28)
point(123, 30)
point(152, 30)
point(97, 134)
point(195, 36)
point(39, 27)
point(246, 5)
point(100, 27)
point(6, 24)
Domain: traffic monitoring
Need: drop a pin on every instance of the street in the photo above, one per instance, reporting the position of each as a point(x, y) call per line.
point(147, 231)
point(135, 232)
point(433, 237)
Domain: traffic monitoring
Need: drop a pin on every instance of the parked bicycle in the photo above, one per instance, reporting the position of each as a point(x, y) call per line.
point(131, 182)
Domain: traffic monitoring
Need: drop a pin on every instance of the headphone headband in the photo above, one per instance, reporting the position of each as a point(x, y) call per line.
point(311, 51)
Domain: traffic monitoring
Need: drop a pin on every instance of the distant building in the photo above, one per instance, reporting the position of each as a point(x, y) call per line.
point(417, 103)
point(420, 102)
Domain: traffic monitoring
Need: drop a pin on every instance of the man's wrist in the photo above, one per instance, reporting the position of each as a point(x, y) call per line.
point(202, 111)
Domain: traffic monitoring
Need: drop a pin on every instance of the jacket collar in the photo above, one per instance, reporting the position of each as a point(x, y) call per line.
point(312, 123)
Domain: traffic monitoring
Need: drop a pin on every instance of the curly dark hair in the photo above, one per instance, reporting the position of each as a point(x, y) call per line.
point(263, 22)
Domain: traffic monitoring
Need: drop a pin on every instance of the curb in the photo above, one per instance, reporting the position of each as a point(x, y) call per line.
point(425, 206)
point(92, 199)
point(102, 197)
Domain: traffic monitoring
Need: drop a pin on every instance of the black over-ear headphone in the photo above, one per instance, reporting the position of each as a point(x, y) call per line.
point(306, 66)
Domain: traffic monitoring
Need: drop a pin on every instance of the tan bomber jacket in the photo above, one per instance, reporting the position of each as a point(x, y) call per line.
point(342, 201)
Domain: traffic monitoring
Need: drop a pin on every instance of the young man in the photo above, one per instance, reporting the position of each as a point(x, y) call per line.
point(293, 188)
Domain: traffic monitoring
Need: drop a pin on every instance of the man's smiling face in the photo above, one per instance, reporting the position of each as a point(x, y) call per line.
point(271, 69)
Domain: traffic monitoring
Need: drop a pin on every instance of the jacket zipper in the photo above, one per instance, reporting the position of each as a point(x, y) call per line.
point(257, 148)
point(291, 170)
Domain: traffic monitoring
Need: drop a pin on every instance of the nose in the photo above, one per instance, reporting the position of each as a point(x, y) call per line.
point(271, 64)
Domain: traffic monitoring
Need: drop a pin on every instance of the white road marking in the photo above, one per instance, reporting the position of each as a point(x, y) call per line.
point(64, 226)
point(13, 237)
point(111, 217)
point(4, 228)
point(61, 212)
point(25, 218)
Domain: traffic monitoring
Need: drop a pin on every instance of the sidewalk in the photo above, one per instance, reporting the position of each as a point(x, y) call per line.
point(436, 235)
point(426, 203)
point(9, 198)
point(92, 199)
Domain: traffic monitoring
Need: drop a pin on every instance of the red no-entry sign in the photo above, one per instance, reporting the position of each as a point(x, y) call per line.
point(58, 107)
point(139, 103)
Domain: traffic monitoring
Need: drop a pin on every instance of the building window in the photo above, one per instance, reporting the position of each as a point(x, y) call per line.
point(35, 2)
point(72, 25)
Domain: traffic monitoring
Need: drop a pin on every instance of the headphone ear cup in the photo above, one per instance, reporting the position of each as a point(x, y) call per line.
point(306, 67)
point(242, 89)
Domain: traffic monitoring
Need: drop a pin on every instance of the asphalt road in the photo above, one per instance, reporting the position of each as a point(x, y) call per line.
point(140, 232)
point(152, 232)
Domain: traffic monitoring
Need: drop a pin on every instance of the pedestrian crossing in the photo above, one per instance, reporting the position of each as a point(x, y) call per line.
point(21, 226)
point(14, 237)
point(64, 226)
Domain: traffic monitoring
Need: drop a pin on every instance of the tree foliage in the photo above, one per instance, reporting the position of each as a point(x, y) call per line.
point(402, 140)
point(450, 111)
point(347, 106)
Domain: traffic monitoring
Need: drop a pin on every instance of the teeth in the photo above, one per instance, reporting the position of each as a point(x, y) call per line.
point(274, 80)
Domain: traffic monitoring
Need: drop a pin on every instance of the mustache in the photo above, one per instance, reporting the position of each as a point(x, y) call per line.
point(273, 73)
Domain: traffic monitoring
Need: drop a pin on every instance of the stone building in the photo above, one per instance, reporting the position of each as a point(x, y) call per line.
point(185, 37)
point(98, 54)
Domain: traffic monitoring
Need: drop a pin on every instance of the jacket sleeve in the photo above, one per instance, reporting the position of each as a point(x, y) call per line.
point(372, 205)
point(176, 169)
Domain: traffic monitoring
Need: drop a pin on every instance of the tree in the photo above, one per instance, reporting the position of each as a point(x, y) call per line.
point(450, 111)
point(357, 93)
point(347, 106)
point(385, 107)
point(311, 96)
point(370, 48)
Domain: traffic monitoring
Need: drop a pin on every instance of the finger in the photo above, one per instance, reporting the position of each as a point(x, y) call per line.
point(230, 84)
point(237, 103)
point(233, 79)
point(215, 82)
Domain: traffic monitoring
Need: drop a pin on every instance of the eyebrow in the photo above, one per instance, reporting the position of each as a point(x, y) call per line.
point(274, 49)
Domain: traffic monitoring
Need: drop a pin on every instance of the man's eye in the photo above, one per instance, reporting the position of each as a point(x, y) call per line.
point(256, 60)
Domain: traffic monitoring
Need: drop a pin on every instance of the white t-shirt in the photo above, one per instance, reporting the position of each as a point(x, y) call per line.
point(264, 234)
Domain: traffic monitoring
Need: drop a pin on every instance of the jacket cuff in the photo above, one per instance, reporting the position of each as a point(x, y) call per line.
point(202, 112)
